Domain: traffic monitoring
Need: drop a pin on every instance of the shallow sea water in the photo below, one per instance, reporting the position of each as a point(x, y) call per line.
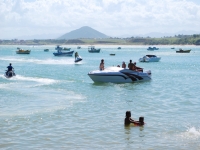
point(53, 104)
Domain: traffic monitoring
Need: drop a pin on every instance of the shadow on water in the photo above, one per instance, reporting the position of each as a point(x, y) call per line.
point(120, 84)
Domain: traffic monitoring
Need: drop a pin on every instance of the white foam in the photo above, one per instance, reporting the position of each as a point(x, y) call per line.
point(44, 81)
point(40, 80)
point(193, 131)
point(60, 61)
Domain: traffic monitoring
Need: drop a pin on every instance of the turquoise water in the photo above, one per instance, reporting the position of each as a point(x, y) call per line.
point(52, 103)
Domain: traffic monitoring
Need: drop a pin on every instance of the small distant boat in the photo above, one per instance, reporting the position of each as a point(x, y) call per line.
point(78, 47)
point(152, 48)
point(172, 48)
point(119, 48)
point(150, 58)
point(46, 50)
point(58, 47)
point(21, 51)
point(112, 54)
point(92, 49)
point(183, 51)
point(66, 49)
point(62, 52)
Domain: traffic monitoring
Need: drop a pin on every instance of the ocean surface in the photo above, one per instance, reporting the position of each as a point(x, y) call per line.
point(53, 104)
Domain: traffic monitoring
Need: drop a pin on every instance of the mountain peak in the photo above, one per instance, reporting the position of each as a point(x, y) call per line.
point(83, 32)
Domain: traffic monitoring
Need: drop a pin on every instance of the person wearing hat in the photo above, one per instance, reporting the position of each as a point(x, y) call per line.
point(123, 65)
point(101, 66)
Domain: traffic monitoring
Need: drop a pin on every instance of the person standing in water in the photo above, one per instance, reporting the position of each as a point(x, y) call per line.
point(101, 66)
point(128, 118)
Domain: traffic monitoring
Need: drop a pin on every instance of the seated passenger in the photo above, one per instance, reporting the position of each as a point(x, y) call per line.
point(123, 65)
point(138, 68)
point(10, 68)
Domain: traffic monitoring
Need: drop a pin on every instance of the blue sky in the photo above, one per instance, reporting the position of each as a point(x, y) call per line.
point(53, 18)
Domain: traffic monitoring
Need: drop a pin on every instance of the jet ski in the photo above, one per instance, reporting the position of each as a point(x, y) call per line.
point(78, 59)
point(9, 74)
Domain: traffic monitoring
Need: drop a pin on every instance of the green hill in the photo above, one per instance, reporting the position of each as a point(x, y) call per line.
point(83, 32)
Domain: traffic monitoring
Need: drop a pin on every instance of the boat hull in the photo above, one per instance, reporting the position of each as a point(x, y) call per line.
point(23, 52)
point(183, 51)
point(64, 53)
point(78, 59)
point(119, 76)
point(94, 51)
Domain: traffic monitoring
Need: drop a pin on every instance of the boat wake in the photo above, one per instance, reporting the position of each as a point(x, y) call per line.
point(60, 61)
point(191, 133)
point(44, 81)
point(40, 81)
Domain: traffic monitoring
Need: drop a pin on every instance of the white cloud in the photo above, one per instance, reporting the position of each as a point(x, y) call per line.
point(112, 17)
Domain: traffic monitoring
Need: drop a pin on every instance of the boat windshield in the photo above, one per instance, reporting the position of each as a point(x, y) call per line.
point(113, 69)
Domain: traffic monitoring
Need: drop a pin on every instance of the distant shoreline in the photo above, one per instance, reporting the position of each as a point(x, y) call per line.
point(178, 40)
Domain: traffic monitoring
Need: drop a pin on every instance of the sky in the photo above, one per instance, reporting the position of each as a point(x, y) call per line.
point(52, 18)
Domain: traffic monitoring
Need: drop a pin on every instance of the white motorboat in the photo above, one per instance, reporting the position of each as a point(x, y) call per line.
point(119, 75)
point(150, 58)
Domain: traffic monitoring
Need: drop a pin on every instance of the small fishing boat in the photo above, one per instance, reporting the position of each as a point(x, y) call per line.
point(61, 53)
point(119, 48)
point(112, 54)
point(46, 50)
point(21, 51)
point(92, 49)
point(152, 48)
point(183, 51)
point(78, 47)
point(172, 48)
point(66, 49)
point(58, 47)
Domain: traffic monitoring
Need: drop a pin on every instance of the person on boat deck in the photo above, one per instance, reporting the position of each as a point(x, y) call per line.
point(128, 118)
point(101, 66)
point(118, 65)
point(137, 68)
point(76, 55)
point(9, 68)
point(130, 64)
point(123, 65)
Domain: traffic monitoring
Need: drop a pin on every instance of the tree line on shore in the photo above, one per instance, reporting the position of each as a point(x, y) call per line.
point(175, 40)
